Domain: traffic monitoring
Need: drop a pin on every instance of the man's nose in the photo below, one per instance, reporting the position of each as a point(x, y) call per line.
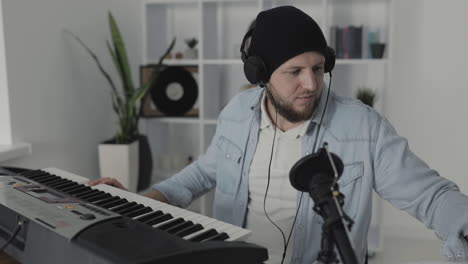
point(308, 81)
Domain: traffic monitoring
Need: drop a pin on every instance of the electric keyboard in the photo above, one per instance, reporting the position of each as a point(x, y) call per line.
point(103, 224)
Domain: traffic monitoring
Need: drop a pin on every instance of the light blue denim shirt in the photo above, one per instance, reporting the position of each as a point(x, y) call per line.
point(375, 158)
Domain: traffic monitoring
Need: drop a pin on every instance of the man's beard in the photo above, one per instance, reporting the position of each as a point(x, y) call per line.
point(287, 111)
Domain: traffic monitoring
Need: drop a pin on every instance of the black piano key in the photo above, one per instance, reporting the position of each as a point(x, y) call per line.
point(43, 178)
point(132, 209)
point(219, 237)
point(114, 203)
point(71, 188)
point(122, 207)
point(29, 173)
point(138, 212)
point(202, 236)
point(60, 183)
point(189, 230)
point(159, 219)
point(66, 186)
point(180, 226)
point(110, 199)
point(149, 216)
point(170, 224)
point(81, 189)
point(98, 197)
point(46, 178)
point(32, 174)
point(79, 195)
point(39, 176)
point(92, 195)
point(53, 181)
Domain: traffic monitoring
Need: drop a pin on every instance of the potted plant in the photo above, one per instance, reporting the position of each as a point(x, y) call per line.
point(366, 95)
point(119, 156)
point(191, 52)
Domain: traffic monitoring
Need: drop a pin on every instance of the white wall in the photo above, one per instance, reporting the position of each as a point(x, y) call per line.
point(59, 101)
point(5, 124)
point(427, 99)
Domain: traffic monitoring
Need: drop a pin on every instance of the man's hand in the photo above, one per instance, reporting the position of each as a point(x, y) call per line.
point(108, 181)
point(153, 194)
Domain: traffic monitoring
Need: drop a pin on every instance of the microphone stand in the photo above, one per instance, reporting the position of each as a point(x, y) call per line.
point(335, 229)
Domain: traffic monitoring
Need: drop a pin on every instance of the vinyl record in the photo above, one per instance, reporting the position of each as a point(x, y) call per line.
point(175, 91)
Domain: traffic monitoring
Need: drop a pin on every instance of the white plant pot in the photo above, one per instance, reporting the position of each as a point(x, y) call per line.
point(191, 54)
point(120, 161)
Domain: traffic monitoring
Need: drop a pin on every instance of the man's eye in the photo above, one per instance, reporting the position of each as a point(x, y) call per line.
point(318, 68)
point(295, 72)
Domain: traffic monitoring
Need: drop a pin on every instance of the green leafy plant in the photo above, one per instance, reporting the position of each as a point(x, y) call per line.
point(191, 42)
point(125, 100)
point(366, 95)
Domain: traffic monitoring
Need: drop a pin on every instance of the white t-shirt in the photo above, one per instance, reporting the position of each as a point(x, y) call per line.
point(281, 199)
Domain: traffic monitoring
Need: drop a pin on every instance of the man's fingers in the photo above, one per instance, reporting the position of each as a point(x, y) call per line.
point(108, 181)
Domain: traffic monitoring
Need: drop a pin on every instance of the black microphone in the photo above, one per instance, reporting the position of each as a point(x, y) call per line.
point(318, 174)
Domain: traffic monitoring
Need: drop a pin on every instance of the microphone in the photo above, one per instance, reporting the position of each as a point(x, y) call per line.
point(318, 174)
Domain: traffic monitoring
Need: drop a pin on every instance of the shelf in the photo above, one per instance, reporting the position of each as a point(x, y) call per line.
point(180, 62)
point(222, 62)
point(206, 62)
point(8, 152)
point(210, 122)
point(360, 61)
point(178, 120)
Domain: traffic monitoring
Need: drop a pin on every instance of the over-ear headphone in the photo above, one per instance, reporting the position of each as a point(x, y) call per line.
point(255, 69)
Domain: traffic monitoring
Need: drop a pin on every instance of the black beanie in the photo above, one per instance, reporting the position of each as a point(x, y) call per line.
point(282, 33)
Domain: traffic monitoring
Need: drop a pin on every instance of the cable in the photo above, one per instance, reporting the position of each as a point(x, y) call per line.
point(13, 235)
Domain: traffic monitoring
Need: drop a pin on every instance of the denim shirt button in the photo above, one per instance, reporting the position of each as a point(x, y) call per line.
point(307, 153)
point(340, 181)
point(227, 156)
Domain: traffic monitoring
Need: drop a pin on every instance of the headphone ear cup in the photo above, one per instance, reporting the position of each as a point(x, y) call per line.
point(330, 59)
point(255, 70)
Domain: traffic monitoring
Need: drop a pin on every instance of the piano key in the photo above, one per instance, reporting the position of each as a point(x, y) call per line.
point(36, 174)
point(66, 186)
point(98, 197)
point(67, 175)
point(45, 179)
point(189, 230)
point(53, 181)
point(132, 209)
point(113, 204)
point(139, 212)
point(149, 216)
point(92, 195)
point(170, 224)
point(60, 183)
point(79, 195)
point(82, 189)
point(107, 200)
point(72, 188)
point(158, 220)
point(179, 227)
point(219, 237)
point(124, 206)
point(27, 174)
point(204, 235)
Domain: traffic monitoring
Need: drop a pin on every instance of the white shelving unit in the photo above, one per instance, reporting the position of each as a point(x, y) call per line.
point(219, 25)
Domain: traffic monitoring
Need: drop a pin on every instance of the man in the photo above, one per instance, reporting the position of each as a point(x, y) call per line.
point(262, 132)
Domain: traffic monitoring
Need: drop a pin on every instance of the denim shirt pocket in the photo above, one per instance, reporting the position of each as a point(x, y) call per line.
point(229, 165)
point(350, 186)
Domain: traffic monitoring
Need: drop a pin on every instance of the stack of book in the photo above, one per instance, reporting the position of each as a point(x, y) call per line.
point(347, 41)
